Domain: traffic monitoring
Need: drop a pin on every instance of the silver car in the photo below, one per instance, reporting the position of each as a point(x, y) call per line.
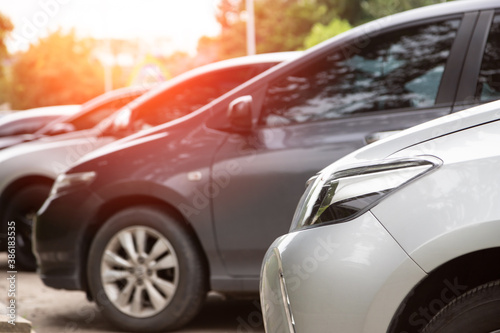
point(400, 236)
point(28, 122)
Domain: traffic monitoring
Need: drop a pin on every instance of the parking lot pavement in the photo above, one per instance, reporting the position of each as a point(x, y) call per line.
point(51, 310)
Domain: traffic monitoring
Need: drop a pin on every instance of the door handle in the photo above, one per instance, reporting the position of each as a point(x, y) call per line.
point(370, 138)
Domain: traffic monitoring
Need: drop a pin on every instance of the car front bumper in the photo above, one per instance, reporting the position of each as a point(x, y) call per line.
point(59, 238)
point(348, 277)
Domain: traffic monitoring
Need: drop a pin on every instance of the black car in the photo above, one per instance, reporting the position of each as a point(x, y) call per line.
point(29, 170)
point(147, 225)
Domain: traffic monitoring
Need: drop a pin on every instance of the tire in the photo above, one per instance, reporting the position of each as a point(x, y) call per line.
point(21, 208)
point(161, 289)
point(477, 311)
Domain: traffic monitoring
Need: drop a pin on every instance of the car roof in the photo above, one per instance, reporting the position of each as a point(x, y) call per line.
point(248, 60)
point(447, 8)
point(114, 94)
point(275, 57)
point(55, 111)
point(407, 17)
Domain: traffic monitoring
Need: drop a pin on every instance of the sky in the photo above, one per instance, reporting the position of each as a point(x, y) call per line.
point(178, 23)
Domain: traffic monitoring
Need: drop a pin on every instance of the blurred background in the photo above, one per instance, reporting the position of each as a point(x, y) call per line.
point(55, 52)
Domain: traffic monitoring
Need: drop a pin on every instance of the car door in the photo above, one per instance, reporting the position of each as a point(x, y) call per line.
point(312, 115)
point(480, 78)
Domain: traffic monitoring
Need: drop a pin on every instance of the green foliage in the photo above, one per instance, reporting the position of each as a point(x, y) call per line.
point(280, 25)
point(320, 32)
point(275, 28)
point(59, 69)
point(349, 10)
point(374, 9)
point(285, 25)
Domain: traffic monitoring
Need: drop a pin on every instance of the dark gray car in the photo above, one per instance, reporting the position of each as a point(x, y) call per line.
point(160, 218)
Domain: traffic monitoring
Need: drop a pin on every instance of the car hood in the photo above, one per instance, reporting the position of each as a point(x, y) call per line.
point(179, 125)
point(69, 136)
point(424, 132)
point(123, 144)
point(46, 158)
point(9, 141)
point(37, 148)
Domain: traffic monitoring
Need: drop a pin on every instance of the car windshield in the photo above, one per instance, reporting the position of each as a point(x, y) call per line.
point(92, 113)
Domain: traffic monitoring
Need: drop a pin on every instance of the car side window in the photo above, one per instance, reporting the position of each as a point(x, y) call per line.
point(396, 70)
point(191, 95)
point(488, 85)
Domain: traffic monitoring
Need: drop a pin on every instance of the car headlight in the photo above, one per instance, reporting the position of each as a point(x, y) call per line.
point(66, 182)
point(337, 196)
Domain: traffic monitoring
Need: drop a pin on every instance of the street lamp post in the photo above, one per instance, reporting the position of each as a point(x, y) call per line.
point(250, 28)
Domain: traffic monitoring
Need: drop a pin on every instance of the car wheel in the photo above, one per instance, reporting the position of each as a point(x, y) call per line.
point(477, 311)
point(146, 272)
point(22, 208)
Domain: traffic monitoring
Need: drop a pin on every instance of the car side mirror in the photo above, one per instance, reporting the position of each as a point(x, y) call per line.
point(240, 114)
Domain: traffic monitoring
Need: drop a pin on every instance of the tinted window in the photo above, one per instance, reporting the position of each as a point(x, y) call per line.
point(189, 96)
point(488, 86)
point(396, 70)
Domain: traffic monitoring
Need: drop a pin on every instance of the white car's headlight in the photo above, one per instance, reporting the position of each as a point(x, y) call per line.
point(66, 182)
point(339, 196)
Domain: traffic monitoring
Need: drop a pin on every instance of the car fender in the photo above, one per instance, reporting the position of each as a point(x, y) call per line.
point(173, 199)
point(44, 158)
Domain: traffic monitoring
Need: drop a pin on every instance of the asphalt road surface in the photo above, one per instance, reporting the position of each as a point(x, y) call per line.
point(51, 310)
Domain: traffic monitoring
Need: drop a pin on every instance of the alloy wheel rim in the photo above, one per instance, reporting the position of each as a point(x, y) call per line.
point(139, 271)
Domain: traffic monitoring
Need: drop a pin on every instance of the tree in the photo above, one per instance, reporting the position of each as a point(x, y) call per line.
point(374, 9)
point(5, 27)
point(231, 41)
point(281, 25)
point(59, 69)
point(322, 32)
point(284, 25)
point(349, 10)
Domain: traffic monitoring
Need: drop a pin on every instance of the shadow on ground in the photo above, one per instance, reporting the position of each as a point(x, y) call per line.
point(52, 310)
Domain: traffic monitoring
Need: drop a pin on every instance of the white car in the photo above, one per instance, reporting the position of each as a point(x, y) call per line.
point(75, 117)
point(28, 122)
point(400, 236)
